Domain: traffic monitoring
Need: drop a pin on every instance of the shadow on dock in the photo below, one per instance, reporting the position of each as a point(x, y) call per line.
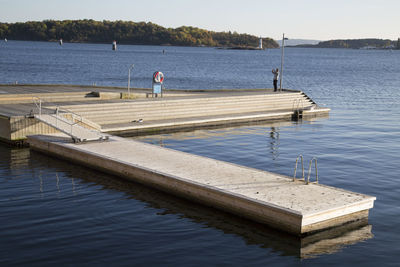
point(325, 242)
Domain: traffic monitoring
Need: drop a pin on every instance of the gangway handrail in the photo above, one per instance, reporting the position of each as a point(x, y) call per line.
point(38, 103)
point(81, 118)
point(39, 106)
point(75, 120)
point(316, 171)
point(70, 112)
point(302, 167)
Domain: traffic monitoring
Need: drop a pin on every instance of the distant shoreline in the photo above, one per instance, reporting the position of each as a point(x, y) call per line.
point(161, 45)
point(126, 32)
point(365, 44)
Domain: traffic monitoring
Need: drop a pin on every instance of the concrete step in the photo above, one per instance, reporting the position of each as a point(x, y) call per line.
point(171, 105)
point(195, 120)
point(167, 109)
point(185, 110)
point(118, 118)
point(279, 105)
point(180, 112)
point(257, 105)
point(187, 101)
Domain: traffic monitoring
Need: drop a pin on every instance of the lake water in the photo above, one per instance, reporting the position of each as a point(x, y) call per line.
point(54, 212)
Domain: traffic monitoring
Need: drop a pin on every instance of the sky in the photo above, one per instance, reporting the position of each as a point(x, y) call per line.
point(298, 19)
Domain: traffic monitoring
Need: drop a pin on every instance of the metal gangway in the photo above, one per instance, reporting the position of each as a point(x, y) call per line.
point(68, 123)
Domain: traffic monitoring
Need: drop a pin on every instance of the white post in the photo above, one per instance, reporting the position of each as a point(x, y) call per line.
point(282, 55)
point(129, 80)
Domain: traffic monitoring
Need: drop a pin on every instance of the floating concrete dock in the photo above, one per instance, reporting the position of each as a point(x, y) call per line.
point(177, 110)
point(265, 197)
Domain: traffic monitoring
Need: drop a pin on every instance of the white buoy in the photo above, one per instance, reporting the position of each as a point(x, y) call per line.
point(5, 40)
point(60, 41)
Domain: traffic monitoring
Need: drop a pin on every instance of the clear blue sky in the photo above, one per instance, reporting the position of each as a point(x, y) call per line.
point(307, 19)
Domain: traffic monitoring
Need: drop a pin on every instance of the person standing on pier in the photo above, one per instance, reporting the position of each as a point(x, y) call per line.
point(276, 77)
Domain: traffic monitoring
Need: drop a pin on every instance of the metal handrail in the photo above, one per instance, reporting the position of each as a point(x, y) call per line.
point(68, 123)
point(38, 103)
point(70, 112)
point(81, 118)
point(295, 168)
point(76, 118)
point(309, 171)
point(298, 101)
point(294, 103)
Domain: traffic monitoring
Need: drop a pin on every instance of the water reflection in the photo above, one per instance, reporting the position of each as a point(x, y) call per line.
point(252, 233)
point(221, 131)
point(58, 183)
point(274, 142)
point(18, 158)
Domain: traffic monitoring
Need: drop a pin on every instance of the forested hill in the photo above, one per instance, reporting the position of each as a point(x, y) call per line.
point(357, 44)
point(125, 32)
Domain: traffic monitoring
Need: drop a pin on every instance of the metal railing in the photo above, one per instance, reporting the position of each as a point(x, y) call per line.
point(297, 108)
point(76, 119)
point(309, 170)
point(73, 121)
point(302, 167)
point(316, 171)
point(38, 103)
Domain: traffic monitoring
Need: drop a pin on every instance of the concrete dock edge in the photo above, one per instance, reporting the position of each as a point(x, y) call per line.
point(285, 219)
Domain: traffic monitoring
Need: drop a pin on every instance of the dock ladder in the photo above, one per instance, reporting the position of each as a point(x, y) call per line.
point(297, 108)
point(309, 170)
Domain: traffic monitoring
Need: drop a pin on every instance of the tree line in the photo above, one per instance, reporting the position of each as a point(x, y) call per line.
point(358, 44)
point(126, 32)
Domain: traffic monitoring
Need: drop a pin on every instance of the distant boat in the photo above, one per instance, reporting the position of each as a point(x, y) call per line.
point(5, 40)
point(60, 41)
point(114, 45)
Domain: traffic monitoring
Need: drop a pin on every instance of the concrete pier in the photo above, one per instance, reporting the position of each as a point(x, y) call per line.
point(268, 198)
point(177, 110)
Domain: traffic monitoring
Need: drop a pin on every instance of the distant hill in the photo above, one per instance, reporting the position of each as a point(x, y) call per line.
point(126, 32)
point(356, 44)
point(295, 42)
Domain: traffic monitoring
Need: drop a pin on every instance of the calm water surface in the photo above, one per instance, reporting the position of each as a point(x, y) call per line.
point(53, 212)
